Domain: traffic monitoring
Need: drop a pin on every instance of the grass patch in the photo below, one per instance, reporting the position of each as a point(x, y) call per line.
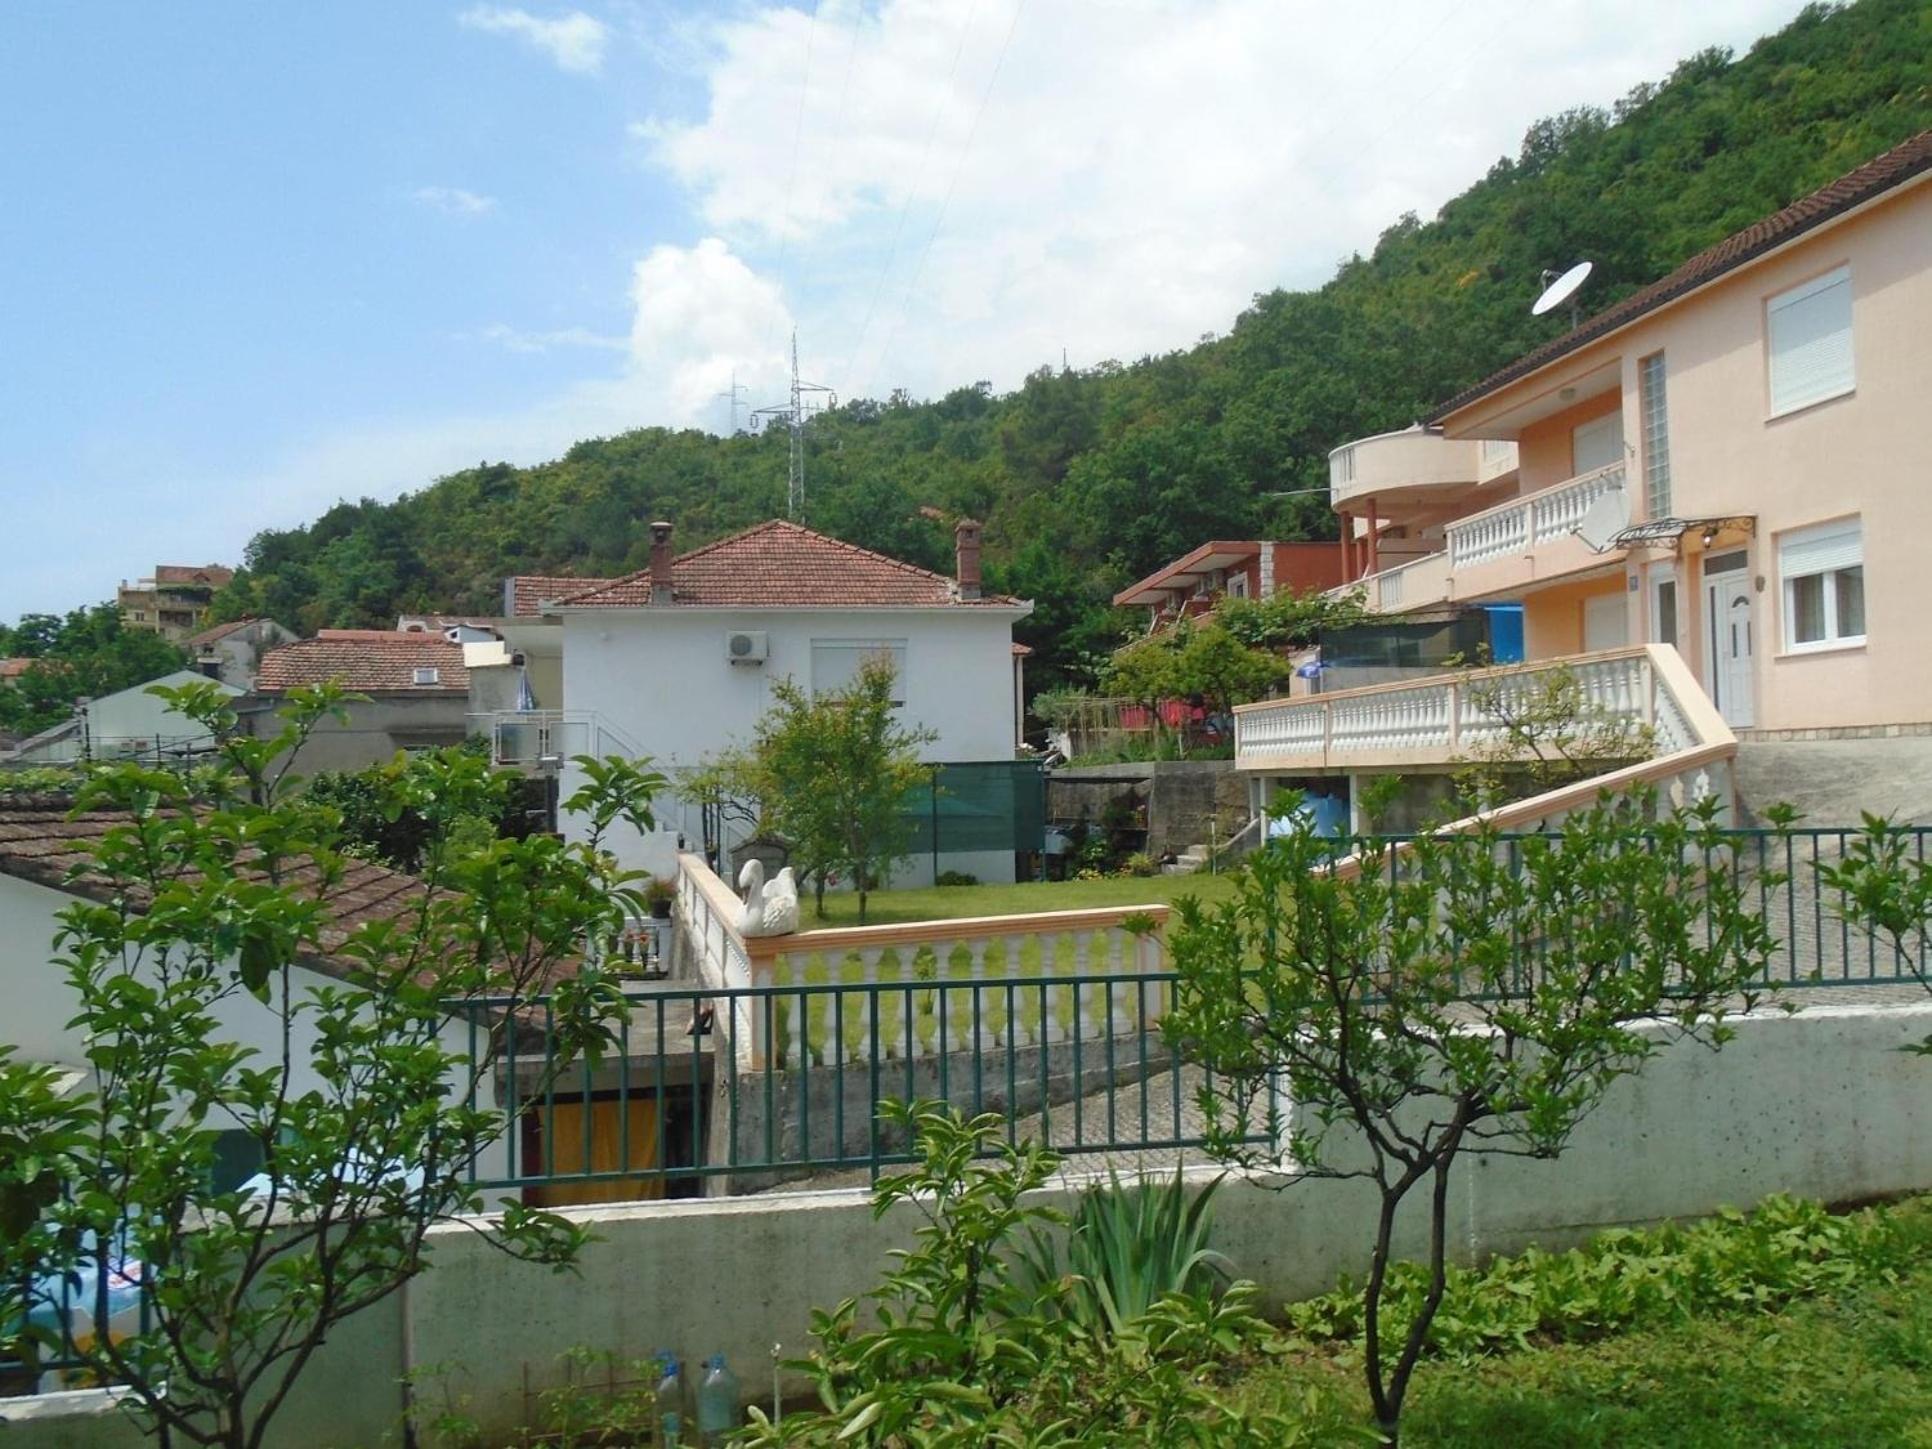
point(1851, 1366)
point(949, 903)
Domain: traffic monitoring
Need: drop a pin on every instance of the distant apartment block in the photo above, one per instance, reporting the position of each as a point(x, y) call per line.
point(174, 602)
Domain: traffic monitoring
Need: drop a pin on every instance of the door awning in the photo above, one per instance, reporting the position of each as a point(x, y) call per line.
point(1669, 530)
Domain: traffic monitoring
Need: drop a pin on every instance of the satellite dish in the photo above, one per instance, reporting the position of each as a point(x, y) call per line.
point(1561, 290)
point(1603, 520)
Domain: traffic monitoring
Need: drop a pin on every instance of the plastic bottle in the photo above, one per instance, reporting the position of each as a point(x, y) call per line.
point(718, 1401)
point(670, 1401)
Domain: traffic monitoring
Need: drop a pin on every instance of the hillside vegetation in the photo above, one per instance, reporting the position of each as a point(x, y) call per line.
point(1091, 477)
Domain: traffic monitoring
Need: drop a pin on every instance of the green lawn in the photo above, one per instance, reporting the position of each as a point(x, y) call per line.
point(940, 903)
point(1849, 1370)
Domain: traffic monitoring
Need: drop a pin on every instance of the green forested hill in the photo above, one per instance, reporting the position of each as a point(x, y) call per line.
point(1089, 478)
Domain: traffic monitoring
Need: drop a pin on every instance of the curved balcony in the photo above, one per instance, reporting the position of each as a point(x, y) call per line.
point(1392, 463)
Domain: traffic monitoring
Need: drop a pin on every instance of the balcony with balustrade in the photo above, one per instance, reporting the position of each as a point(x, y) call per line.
point(1506, 550)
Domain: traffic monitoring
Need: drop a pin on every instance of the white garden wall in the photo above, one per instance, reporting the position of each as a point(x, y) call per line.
point(1820, 1104)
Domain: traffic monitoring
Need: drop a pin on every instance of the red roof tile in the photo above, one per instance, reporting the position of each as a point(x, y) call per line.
point(370, 661)
point(780, 564)
point(1877, 176)
point(213, 575)
point(530, 592)
point(14, 668)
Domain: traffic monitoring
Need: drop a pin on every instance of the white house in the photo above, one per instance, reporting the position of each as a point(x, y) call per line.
point(676, 661)
point(41, 844)
point(130, 722)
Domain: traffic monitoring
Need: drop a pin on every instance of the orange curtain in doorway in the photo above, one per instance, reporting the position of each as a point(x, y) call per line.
point(610, 1123)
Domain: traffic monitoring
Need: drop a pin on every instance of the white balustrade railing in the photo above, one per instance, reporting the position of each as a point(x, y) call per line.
point(905, 992)
point(1432, 721)
point(977, 985)
point(550, 736)
point(1528, 523)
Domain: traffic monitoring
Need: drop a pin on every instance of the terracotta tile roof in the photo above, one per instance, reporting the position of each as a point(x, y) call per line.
point(781, 564)
point(370, 661)
point(40, 841)
point(1021, 651)
point(529, 592)
point(1881, 174)
point(220, 632)
point(212, 575)
point(14, 668)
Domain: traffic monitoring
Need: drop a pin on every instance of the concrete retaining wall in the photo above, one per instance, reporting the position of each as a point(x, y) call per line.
point(1820, 1104)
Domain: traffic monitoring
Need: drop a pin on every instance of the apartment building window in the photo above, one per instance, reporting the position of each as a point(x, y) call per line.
point(1656, 424)
point(1823, 570)
point(836, 663)
point(1808, 337)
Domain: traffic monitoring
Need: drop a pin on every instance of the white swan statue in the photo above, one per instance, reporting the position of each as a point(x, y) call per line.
point(770, 910)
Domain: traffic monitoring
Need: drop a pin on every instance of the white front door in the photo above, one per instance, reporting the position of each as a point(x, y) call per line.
point(1596, 444)
point(1606, 623)
point(1728, 634)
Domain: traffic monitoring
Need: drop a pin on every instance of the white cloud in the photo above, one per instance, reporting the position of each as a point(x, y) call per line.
point(575, 42)
point(514, 339)
point(1140, 168)
point(454, 201)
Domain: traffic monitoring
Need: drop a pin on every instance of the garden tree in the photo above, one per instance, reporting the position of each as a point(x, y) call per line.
point(1465, 994)
point(401, 811)
point(1214, 666)
point(366, 1123)
point(85, 653)
point(833, 775)
point(1547, 732)
point(1090, 477)
point(1287, 619)
point(1143, 672)
point(1884, 887)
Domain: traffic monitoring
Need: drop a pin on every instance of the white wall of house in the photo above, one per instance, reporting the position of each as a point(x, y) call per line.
point(40, 1004)
point(662, 678)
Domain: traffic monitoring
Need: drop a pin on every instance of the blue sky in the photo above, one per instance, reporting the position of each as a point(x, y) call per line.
point(254, 258)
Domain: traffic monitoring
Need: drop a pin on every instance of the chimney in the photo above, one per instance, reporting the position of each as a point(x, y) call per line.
point(660, 562)
point(966, 549)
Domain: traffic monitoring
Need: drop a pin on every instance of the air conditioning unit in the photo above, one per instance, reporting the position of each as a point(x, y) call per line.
point(746, 647)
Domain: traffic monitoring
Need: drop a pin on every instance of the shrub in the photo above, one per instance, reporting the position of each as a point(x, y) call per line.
point(1140, 863)
point(967, 1354)
point(1129, 1246)
point(1785, 1248)
point(955, 878)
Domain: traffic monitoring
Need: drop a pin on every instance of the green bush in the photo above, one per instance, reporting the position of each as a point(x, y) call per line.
point(955, 878)
point(1129, 1246)
point(1140, 863)
point(1785, 1248)
point(967, 1353)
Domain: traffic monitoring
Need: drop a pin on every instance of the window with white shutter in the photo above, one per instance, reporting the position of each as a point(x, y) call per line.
point(1808, 334)
point(836, 663)
point(1823, 572)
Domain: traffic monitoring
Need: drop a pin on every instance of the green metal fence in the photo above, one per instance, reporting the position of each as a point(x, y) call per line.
point(981, 1045)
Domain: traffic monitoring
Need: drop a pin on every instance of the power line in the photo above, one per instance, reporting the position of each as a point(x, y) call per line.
point(959, 166)
point(912, 190)
point(798, 137)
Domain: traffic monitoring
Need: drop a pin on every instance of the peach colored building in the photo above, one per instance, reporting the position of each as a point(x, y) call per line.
point(1735, 460)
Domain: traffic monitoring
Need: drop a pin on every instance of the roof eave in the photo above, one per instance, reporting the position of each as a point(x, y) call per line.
point(1443, 418)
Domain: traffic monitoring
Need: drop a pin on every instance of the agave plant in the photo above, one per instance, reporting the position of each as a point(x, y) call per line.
point(1127, 1246)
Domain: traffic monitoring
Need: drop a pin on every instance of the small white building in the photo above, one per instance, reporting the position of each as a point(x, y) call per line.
point(676, 661)
point(128, 724)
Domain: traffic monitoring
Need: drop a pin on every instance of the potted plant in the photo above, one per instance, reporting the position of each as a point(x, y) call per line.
point(659, 893)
